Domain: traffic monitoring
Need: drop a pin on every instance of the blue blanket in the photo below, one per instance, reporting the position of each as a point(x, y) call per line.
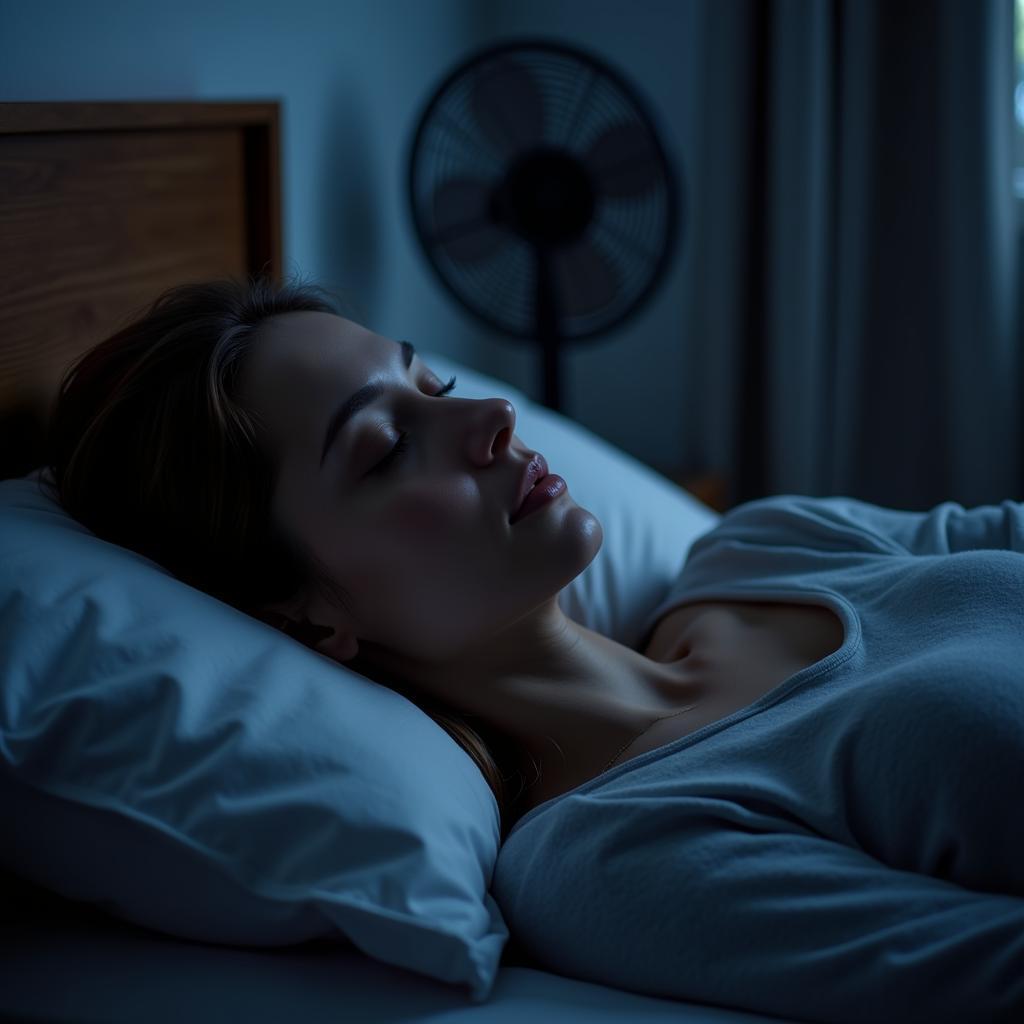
point(850, 846)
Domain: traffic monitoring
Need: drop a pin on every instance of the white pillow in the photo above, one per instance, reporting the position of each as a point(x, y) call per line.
point(192, 770)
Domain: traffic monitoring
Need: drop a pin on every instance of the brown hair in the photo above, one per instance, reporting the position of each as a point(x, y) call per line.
point(151, 449)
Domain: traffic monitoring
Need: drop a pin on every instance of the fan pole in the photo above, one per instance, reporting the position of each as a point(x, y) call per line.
point(547, 332)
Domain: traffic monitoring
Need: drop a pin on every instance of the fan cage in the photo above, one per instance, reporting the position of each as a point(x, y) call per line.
point(581, 99)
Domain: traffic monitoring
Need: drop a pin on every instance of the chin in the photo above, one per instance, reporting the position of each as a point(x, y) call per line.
point(584, 537)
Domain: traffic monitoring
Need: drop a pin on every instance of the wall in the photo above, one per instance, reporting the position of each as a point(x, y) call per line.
point(352, 77)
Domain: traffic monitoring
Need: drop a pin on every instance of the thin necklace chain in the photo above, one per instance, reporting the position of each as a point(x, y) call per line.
point(642, 732)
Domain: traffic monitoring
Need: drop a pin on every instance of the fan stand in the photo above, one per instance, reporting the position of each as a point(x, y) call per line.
point(547, 199)
point(547, 332)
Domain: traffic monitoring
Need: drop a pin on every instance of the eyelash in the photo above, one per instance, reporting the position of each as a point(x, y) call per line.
point(402, 444)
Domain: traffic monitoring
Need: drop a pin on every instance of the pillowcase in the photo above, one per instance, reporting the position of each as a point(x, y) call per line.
point(185, 767)
point(192, 770)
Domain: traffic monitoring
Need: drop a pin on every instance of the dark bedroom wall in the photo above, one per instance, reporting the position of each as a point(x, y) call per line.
point(352, 77)
point(349, 76)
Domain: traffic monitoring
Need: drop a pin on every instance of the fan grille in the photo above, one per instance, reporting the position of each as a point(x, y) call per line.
point(513, 104)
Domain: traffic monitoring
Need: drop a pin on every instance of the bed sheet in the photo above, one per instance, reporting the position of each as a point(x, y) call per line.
point(77, 966)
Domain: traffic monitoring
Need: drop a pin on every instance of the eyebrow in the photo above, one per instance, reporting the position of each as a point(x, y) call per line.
point(367, 394)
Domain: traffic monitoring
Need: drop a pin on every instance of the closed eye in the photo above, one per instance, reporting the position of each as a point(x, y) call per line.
point(402, 444)
point(450, 386)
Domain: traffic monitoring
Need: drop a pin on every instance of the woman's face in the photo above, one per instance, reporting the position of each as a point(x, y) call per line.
point(408, 505)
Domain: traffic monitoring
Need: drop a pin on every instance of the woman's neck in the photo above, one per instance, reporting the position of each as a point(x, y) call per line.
point(567, 699)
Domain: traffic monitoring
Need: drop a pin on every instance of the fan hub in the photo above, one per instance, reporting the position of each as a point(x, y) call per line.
point(546, 197)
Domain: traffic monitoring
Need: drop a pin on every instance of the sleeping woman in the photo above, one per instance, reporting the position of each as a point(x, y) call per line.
point(799, 795)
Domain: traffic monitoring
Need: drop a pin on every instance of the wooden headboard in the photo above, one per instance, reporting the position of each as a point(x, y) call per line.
point(102, 207)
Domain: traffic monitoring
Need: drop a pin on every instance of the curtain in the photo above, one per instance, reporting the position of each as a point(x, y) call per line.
point(856, 302)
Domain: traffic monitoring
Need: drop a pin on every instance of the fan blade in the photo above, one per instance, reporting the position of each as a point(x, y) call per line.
point(508, 107)
point(585, 281)
point(624, 161)
point(462, 223)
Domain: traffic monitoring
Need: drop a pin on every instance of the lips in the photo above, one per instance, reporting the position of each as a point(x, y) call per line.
point(536, 469)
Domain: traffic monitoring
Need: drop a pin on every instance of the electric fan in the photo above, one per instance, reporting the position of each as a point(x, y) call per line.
point(541, 195)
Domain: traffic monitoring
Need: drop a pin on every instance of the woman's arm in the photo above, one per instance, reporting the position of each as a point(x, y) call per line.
point(944, 529)
point(837, 525)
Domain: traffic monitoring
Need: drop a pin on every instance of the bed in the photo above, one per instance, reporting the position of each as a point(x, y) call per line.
point(102, 206)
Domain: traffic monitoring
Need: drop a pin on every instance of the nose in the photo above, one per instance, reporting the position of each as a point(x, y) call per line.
point(493, 422)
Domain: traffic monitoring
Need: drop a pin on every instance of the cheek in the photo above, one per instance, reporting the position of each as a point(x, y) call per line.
point(429, 550)
point(437, 513)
